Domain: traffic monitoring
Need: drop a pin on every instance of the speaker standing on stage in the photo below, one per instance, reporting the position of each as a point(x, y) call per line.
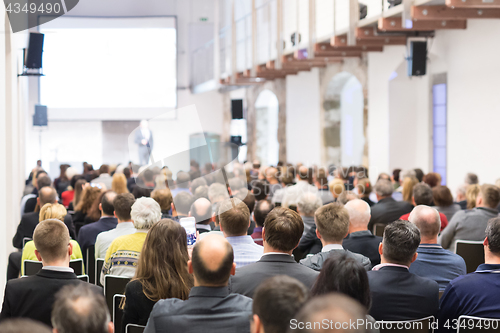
point(144, 138)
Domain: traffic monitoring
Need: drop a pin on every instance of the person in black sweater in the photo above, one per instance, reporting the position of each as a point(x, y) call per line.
point(161, 273)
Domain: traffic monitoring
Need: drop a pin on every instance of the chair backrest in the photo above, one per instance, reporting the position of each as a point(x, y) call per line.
point(469, 324)
point(26, 240)
point(90, 264)
point(77, 265)
point(423, 325)
point(84, 278)
point(114, 285)
point(132, 328)
point(99, 263)
point(117, 312)
point(378, 229)
point(31, 267)
point(441, 292)
point(472, 252)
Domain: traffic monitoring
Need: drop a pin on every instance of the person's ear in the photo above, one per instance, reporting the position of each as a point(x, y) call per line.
point(479, 200)
point(485, 242)
point(413, 201)
point(381, 249)
point(263, 234)
point(100, 207)
point(190, 267)
point(114, 214)
point(111, 327)
point(256, 325)
point(38, 201)
point(249, 223)
point(37, 255)
point(233, 269)
point(54, 330)
point(70, 249)
point(189, 214)
point(414, 257)
point(173, 208)
point(318, 234)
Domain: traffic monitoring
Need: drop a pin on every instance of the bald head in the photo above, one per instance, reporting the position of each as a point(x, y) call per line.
point(427, 221)
point(359, 213)
point(47, 195)
point(212, 261)
point(201, 210)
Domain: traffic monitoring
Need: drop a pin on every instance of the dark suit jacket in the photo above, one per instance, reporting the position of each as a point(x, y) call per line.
point(310, 243)
point(30, 205)
point(388, 210)
point(208, 310)
point(365, 243)
point(249, 277)
point(88, 233)
point(398, 294)
point(33, 296)
point(28, 224)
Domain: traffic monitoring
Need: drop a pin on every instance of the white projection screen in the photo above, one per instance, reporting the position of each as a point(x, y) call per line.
point(109, 68)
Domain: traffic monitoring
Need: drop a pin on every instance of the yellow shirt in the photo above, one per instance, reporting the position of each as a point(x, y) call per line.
point(29, 253)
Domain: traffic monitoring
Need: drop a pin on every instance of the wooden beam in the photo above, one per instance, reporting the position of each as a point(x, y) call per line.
point(382, 40)
point(365, 32)
point(364, 48)
point(337, 54)
point(339, 40)
point(448, 13)
point(473, 3)
point(394, 24)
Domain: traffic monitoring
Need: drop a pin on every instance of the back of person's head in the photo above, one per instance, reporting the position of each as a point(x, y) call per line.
point(471, 195)
point(395, 174)
point(419, 174)
point(182, 202)
point(23, 325)
point(489, 195)
point(400, 243)
point(262, 209)
point(321, 178)
point(442, 196)
point(164, 198)
point(422, 194)
point(343, 274)
point(260, 190)
point(162, 268)
point(493, 236)
point(383, 188)
point(234, 217)
point(272, 174)
point(217, 192)
point(236, 184)
point(276, 301)
point(308, 204)
point(359, 213)
point(107, 202)
point(283, 229)
point(347, 196)
point(383, 175)
point(51, 238)
point(212, 261)
point(123, 206)
point(47, 195)
point(183, 179)
point(471, 178)
point(287, 175)
point(337, 310)
point(305, 173)
point(427, 220)
point(90, 194)
point(43, 181)
point(364, 187)
point(201, 192)
point(127, 172)
point(52, 211)
point(408, 184)
point(119, 183)
point(145, 212)
point(78, 309)
point(432, 178)
point(197, 182)
point(332, 222)
point(248, 199)
point(201, 210)
point(336, 187)
point(104, 169)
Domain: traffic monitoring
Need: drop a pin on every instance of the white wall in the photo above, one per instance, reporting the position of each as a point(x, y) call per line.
point(303, 130)
point(351, 125)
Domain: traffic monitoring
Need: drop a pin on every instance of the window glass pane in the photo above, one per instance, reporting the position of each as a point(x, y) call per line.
point(440, 137)
point(440, 115)
point(439, 157)
point(439, 94)
point(442, 172)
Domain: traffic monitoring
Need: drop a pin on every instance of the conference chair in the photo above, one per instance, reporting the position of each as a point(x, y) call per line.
point(378, 229)
point(424, 325)
point(84, 278)
point(133, 328)
point(90, 264)
point(441, 292)
point(469, 324)
point(472, 252)
point(77, 265)
point(99, 263)
point(31, 267)
point(114, 285)
point(117, 312)
point(26, 240)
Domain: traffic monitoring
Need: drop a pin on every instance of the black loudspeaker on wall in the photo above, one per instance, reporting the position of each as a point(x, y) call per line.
point(40, 116)
point(237, 108)
point(417, 62)
point(33, 58)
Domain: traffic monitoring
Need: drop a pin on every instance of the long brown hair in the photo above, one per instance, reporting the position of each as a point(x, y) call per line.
point(89, 195)
point(94, 213)
point(78, 191)
point(162, 268)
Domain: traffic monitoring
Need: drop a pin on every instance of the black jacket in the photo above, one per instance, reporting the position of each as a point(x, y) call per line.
point(28, 224)
point(137, 306)
point(316, 261)
point(249, 277)
point(388, 210)
point(33, 296)
point(365, 243)
point(310, 243)
point(398, 294)
point(208, 310)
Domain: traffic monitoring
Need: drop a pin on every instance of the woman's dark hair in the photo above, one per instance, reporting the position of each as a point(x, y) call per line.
point(442, 196)
point(62, 175)
point(342, 273)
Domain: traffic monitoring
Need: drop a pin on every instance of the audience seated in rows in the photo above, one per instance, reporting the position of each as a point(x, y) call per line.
point(181, 205)
point(90, 194)
point(282, 230)
point(396, 293)
point(164, 198)
point(209, 307)
point(77, 195)
point(434, 262)
point(443, 201)
point(182, 183)
point(364, 189)
point(123, 253)
point(33, 296)
point(262, 209)
point(201, 210)
point(360, 239)
point(303, 185)
point(23, 325)
point(272, 178)
point(332, 222)
point(104, 177)
point(307, 205)
point(475, 294)
point(471, 224)
point(161, 273)
point(321, 182)
point(42, 180)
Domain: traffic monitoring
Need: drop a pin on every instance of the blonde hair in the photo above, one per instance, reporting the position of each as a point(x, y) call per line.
point(408, 184)
point(119, 183)
point(53, 211)
point(336, 186)
point(471, 195)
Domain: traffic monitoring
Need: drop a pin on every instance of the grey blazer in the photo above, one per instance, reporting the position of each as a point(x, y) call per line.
point(316, 261)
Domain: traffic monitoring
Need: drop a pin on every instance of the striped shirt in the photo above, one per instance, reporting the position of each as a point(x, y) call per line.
point(245, 250)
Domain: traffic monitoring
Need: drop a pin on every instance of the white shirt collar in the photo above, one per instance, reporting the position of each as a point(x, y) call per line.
point(268, 253)
point(59, 269)
point(329, 247)
point(203, 226)
point(376, 268)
